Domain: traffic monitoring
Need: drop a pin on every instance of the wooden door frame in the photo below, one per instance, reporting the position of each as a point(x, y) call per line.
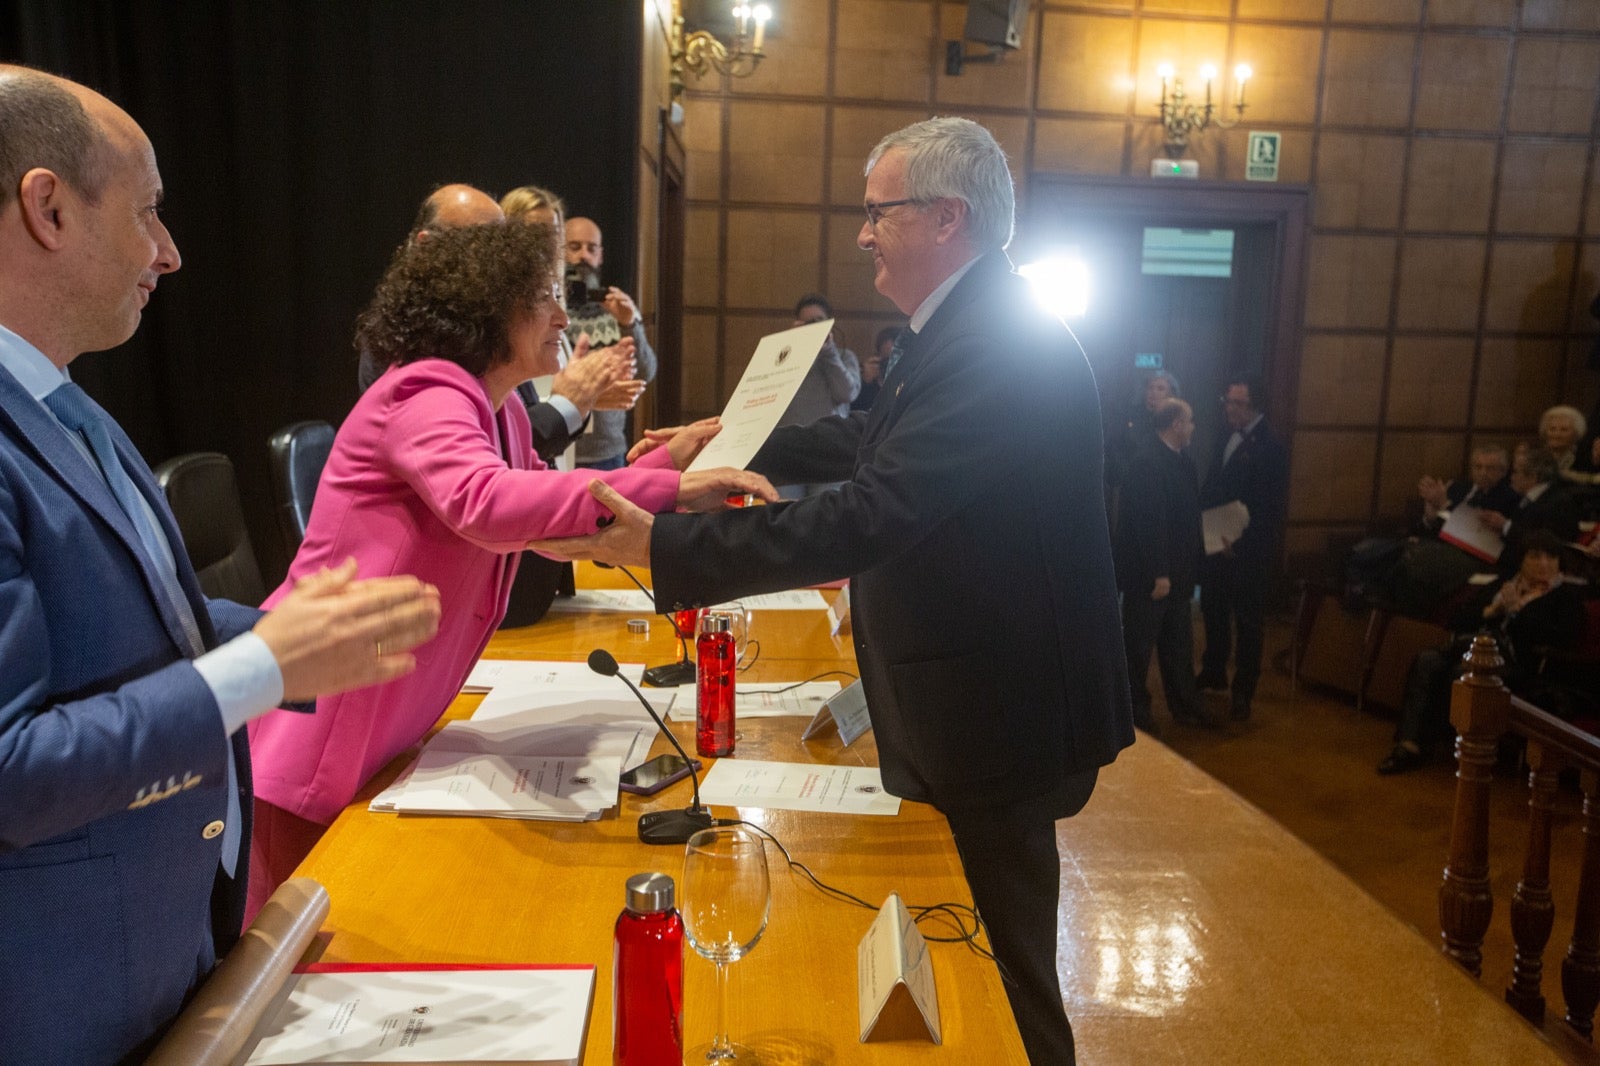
point(671, 219)
point(1212, 205)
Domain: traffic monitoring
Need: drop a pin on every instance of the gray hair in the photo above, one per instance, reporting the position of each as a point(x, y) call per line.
point(1496, 450)
point(957, 158)
point(1540, 465)
point(1580, 425)
point(44, 125)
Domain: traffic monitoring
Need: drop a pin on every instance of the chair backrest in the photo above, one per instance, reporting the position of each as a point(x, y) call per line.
point(299, 452)
point(204, 497)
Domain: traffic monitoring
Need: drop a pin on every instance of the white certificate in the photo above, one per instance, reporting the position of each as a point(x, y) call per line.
point(788, 786)
point(770, 381)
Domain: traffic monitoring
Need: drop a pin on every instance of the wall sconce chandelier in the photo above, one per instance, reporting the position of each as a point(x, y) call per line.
point(1180, 118)
point(701, 50)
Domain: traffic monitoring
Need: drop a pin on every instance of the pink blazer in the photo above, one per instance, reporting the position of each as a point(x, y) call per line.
point(424, 479)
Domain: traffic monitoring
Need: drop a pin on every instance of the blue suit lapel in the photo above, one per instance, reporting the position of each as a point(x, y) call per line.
point(43, 435)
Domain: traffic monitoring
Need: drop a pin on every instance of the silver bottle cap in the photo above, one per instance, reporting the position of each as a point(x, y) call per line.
point(649, 893)
point(716, 623)
point(638, 625)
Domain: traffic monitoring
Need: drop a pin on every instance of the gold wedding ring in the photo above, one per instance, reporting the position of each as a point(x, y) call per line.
point(377, 648)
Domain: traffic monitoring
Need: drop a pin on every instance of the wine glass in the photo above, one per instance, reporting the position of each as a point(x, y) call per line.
point(724, 905)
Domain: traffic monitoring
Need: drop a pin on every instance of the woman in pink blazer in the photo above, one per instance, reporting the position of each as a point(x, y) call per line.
point(433, 474)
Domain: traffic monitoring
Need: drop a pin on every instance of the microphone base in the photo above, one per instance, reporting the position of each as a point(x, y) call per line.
point(674, 827)
point(671, 675)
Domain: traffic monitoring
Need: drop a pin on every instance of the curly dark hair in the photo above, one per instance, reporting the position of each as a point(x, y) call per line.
point(454, 294)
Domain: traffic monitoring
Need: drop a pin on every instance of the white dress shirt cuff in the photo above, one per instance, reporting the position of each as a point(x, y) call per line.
point(569, 411)
point(244, 678)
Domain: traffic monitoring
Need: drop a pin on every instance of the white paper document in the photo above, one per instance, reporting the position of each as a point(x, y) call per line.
point(1223, 525)
point(773, 375)
point(533, 675)
point(785, 786)
point(1464, 528)
point(634, 602)
point(764, 701)
point(361, 1014)
point(568, 788)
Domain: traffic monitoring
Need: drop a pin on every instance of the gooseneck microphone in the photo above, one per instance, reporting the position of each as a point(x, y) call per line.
point(660, 827)
point(667, 675)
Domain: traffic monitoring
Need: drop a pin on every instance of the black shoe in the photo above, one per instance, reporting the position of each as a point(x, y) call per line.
point(1400, 760)
point(1190, 716)
point(1211, 683)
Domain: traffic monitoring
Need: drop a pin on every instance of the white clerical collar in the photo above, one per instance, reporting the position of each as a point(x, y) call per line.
point(926, 309)
point(31, 367)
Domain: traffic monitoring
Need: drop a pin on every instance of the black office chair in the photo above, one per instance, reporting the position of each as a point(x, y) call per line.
point(299, 452)
point(204, 497)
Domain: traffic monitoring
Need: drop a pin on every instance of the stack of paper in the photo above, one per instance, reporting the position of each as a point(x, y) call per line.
point(360, 1013)
point(558, 759)
point(636, 602)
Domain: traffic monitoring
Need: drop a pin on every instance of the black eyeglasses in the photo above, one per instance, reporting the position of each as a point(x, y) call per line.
point(875, 211)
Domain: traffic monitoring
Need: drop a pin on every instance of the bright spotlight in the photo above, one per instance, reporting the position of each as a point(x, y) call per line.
point(1060, 284)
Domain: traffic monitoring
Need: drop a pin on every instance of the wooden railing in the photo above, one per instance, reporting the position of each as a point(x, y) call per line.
point(1482, 710)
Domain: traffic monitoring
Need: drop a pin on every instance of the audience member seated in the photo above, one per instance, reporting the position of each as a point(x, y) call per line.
point(1546, 505)
point(1488, 488)
point(1531, 611)
point(1416, 574)
point(872, 368)
point(1561, 429)
point(434, 473)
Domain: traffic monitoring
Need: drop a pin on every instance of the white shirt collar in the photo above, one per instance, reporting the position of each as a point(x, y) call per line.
point(1534, 493)
point(32, 369)
point(1251, 426)
point(926, 309)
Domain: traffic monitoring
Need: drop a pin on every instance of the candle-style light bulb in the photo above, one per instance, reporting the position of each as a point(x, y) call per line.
point(1208, 72)
point(762, 13)
point(1164, 72)
point(1241, 74)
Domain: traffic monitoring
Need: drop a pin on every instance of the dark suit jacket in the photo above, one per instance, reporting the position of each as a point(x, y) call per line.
point(1555, 510)
point(1502, 498)
point(113, 760)
point(972, 522)
point(1158, 528)
point(1257, 475)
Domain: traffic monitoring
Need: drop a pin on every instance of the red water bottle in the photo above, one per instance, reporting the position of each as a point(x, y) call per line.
point(647, 1007)
point(713, 732)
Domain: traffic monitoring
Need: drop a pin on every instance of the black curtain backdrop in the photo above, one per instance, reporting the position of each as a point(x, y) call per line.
point(296, 139)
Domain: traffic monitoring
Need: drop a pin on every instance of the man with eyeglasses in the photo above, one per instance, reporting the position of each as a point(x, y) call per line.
point(971, 521)
point(1252, 468)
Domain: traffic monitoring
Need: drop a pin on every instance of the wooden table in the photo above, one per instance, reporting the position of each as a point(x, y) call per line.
point(486, 890)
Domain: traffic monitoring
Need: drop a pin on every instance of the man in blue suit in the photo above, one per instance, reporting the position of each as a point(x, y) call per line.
point(124, 773)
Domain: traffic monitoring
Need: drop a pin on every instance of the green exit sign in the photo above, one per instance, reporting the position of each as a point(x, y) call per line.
point(1261, 160)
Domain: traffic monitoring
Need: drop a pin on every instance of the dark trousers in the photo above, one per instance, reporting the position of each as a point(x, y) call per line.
point(1233, 596)
point(1014, 872)
point(1165, 627)
point(616, 462)
point(1425, 711)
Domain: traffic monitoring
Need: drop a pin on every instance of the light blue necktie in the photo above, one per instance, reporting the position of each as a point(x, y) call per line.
point(72, 407)
point(895, 353)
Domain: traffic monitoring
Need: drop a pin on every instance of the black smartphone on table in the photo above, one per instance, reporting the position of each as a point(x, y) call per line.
point(651, 777)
